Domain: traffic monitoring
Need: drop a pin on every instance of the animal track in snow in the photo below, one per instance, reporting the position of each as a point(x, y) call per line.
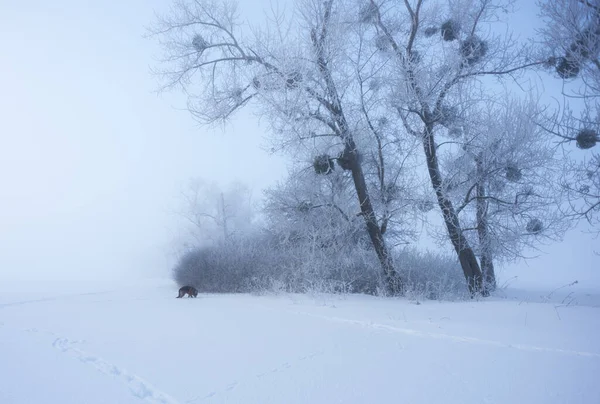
point(280, 368)
point(138, 387)
point(287, 365)
point(455, 338)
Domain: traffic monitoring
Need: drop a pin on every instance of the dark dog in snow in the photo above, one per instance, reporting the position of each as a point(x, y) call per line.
point(189, 290)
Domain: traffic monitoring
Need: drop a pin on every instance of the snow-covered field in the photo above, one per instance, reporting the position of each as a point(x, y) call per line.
point(109, 342)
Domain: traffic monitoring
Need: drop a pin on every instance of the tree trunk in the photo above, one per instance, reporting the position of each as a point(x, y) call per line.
point(224, 218)
point(489, 276)
point(466, 256)
point(487, 262)
point(394, 283)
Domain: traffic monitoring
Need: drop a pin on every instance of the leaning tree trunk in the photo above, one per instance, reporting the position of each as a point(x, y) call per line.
point(487, 262)
point(393, 282)
point(332, 104)
point(466, 256)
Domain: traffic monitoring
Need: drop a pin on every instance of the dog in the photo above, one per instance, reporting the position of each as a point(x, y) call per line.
point(189, 290)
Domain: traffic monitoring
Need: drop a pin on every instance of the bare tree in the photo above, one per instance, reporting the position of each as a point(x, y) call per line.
point(216, 216)
point(504, 181)
point(310, 206)
point(295, 72)
point(442, 51)
point(570, 41)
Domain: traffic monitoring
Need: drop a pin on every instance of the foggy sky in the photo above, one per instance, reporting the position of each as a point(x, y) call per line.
point(92, 161)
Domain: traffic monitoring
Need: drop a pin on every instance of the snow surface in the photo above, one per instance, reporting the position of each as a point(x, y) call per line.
point(126, 342)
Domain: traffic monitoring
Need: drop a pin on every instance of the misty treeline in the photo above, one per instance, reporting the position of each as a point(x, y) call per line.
point(391, 113)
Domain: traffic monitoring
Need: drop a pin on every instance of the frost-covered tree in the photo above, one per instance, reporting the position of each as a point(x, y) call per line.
point(300, 74)
point(308, 205)
point(570, 41)
point(442, 52)
point(503, 180)
point(214, 215)
point(317, 209)
point(313, 217)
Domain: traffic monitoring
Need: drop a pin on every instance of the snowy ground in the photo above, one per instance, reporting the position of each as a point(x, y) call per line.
point(117, 343)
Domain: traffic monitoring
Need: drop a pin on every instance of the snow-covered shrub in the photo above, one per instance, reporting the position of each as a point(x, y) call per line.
point(232, 267)
point(266, 263)
point(431, 275)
